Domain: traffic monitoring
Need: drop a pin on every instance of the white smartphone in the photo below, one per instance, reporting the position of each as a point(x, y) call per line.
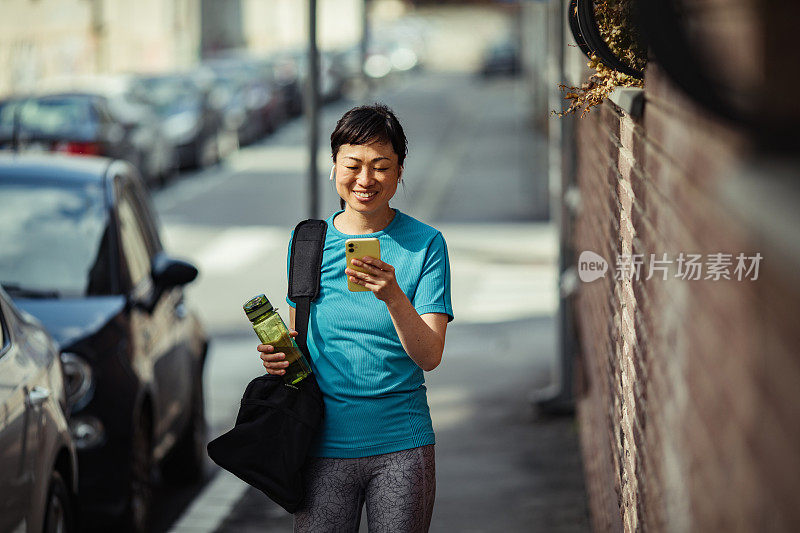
point(357, 249)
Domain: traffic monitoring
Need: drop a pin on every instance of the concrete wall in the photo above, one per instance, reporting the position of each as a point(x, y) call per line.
point(50, 37)
point(688, 390)
point(54, 38)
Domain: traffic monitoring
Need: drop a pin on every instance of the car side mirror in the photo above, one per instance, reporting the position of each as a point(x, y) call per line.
point(169, 272)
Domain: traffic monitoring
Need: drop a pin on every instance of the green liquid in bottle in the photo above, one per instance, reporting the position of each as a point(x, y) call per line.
point(271, 329)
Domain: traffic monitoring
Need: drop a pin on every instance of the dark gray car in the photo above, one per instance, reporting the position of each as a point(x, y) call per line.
point(38, 465)
point(80, 250)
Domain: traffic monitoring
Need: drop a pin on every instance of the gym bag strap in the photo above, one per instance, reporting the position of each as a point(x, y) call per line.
point(305, 270)
point(277, 423)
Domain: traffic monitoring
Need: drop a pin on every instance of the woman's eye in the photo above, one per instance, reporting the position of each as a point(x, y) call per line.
point(352, 168)
point(381, 169)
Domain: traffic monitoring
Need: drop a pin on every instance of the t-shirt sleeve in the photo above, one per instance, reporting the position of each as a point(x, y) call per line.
point(288, 267)
point(433, 291)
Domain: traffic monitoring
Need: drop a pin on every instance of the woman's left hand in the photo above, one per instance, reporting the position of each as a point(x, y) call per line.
point(379, 278)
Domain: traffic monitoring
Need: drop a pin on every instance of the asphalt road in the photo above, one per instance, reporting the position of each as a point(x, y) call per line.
point(476, 172)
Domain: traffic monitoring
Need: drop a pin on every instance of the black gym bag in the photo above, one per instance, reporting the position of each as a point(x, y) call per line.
point(277, 423)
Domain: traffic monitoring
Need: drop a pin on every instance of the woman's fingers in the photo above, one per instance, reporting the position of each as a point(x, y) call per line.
point(358, 281)
point(274, 357)
point(274, 363)
point(377, 263)
point(275, 367)
point(354, 273)
point(371, 272)
point(378, 278)
point(373, 279)
point(365, 266)
point(369, 265)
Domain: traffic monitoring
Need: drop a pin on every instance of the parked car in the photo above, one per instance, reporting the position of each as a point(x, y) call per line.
point(38, 465)
point(251, 90)
point(331, 76)
point(287, 78)
point(502, 58)
point(80, 250)
point(97, 121)
point(193, 125)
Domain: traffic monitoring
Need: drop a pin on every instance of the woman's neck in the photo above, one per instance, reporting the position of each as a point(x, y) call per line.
point(352, 222)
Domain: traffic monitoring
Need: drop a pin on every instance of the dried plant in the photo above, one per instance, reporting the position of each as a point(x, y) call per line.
point(620, 34)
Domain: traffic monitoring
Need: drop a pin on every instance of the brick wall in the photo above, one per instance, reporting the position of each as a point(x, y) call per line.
point(689, 411)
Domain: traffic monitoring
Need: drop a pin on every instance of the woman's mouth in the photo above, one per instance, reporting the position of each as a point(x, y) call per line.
point(364, 195)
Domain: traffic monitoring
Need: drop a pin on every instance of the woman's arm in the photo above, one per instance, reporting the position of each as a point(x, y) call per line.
point(422, 336)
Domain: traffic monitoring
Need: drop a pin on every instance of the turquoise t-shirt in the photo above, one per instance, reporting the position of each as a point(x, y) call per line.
point(375, 400)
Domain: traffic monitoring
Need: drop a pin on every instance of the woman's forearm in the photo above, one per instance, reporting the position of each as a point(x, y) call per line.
point(420, 341)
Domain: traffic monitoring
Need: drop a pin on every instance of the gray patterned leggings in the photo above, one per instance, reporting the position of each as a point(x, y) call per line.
point(397, 487)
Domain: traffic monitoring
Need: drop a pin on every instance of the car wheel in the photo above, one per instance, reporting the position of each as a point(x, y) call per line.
point(59, 515)
point(187, 460)
point(140, 489)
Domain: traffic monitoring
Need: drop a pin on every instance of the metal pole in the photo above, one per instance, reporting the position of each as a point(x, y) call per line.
point(312, 109)
point(364, 42)
point(15, 126)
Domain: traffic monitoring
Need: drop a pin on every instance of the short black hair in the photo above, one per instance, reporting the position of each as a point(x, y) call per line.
point(370, 123)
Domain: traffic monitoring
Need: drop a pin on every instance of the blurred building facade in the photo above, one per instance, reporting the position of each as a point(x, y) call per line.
point(57, 38)
point(283, 24)
point(686, 390)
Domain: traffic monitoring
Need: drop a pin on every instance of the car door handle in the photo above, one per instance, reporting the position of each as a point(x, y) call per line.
point(38, 396)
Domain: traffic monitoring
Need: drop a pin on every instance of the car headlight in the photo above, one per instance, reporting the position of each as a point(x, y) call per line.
point(78, 380)
point(87, 432)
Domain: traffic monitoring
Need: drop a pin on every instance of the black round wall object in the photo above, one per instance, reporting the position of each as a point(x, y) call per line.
point(586, 33)
point(572, 17)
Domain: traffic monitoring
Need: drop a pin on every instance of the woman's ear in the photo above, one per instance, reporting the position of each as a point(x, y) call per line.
point(400, 175)
point(333, 172)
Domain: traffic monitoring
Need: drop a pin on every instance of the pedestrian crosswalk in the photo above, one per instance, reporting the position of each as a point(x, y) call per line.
point(499, 272)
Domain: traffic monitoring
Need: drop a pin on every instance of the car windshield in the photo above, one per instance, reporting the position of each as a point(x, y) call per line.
point(54, 238)
point(50, 115)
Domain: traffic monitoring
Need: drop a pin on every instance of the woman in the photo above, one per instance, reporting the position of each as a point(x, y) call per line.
point(369, 349)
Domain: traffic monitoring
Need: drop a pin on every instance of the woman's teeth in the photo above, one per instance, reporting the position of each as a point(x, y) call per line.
point(364, 194)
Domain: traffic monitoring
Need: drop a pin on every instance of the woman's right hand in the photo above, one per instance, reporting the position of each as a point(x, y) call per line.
point(275, 363)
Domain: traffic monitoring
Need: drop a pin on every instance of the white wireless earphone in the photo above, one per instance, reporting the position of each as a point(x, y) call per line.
point(333, 172)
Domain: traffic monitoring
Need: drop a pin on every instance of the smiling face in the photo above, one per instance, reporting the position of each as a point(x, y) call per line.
point(367, 177)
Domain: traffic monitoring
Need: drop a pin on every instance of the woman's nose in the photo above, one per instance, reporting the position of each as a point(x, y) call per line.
point(364, 177)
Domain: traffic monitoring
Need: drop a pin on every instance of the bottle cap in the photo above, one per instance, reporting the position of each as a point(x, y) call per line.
point(257, 306)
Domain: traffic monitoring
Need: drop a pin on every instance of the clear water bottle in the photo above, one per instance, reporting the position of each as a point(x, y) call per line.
point(271, 329)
